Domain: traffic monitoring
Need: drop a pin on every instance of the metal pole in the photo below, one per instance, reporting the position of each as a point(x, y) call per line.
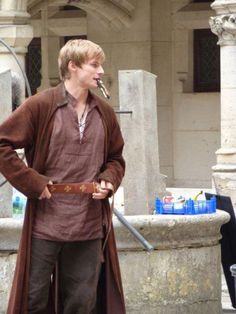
point(137, 235)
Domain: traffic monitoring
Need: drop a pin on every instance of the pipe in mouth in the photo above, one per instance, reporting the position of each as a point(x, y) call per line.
point(103, 89)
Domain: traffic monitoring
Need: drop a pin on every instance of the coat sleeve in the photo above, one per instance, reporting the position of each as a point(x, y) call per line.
point(15, 133)
point(114, 167)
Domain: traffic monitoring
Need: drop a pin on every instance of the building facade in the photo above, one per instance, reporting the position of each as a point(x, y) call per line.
point(169, 38)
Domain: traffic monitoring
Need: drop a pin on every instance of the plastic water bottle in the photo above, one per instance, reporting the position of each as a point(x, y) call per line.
point(18, 202)
point(158, 206)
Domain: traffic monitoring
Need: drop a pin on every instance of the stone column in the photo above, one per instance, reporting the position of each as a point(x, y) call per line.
point(142, 182)
point(224, 25)
point(15, 30)
point(45, 82)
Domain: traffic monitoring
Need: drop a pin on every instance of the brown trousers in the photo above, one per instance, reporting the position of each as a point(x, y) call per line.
point(79, 265)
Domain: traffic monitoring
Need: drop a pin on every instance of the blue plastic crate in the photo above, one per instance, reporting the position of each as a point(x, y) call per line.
point(188, 207)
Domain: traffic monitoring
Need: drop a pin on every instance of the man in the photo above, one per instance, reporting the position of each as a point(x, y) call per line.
point(69, 136)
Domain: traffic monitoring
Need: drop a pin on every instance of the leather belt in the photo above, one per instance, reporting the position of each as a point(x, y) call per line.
point(73, 188)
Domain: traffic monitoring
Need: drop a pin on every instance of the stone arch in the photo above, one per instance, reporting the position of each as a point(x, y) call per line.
point(112, 13)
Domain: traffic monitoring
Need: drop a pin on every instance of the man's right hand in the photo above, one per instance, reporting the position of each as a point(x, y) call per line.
point(46, 193)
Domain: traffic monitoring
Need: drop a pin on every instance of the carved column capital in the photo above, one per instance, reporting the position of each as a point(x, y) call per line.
point(14, 12)
point(224, 6)
point(224, 26)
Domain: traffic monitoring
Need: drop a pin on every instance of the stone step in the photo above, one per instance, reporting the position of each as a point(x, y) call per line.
point(225, 298)
point(226, 305)
point(228, 311)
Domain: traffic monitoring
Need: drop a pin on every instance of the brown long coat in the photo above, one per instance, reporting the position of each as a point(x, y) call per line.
point(30, 127)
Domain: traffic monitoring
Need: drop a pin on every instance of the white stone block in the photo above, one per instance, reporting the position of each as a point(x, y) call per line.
point(5, 93)
point(228, 67)
point(5, 109)
point(142, 181)
point(228, 117)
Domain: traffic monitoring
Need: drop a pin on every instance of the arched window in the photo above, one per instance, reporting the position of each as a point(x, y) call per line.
point(33, 64)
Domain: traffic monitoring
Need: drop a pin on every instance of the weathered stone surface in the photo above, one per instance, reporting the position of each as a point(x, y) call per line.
point(5, 109)
point(7, 266)
point(142, 182)
point(172, 231)
point(182, 275)
point(174, 281)
point(10, 231)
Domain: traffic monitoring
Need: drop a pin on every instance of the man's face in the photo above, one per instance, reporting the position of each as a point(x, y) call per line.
point(88, 73)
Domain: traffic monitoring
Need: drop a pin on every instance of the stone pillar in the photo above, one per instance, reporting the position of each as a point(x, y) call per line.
point(5, 109)
point(142, 182)
point(182, 274)
point(45, 82)
point(224, 25)
point(17, 33)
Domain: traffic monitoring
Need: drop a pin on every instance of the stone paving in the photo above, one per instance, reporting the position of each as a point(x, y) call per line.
point(226, 303)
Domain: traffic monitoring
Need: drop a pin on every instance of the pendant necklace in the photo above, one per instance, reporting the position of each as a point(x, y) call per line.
point(82, 122)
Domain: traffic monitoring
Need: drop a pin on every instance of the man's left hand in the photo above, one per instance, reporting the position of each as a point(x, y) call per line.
point(103, 190)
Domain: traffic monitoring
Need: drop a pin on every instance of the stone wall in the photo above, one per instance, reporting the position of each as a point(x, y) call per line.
point(183, 280)
point(196, 116)
point(182, 274)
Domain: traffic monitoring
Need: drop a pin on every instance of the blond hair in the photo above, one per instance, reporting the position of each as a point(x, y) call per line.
point(78, 51)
